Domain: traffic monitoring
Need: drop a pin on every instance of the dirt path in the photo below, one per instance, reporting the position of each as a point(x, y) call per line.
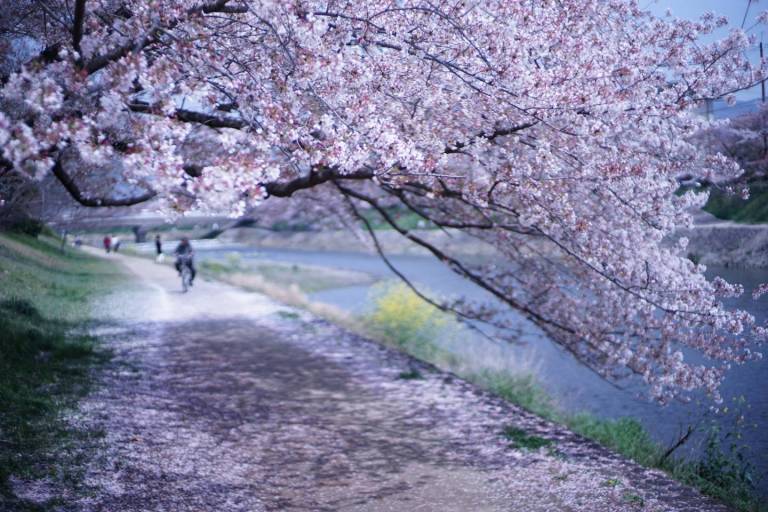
point(222, 400)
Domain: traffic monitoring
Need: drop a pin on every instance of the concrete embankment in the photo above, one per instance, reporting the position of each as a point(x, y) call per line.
point(728, 244)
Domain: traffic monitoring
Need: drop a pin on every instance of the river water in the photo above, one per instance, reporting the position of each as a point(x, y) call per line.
point(574, 387)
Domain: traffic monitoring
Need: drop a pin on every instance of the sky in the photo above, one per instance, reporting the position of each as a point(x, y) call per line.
point(734, 10)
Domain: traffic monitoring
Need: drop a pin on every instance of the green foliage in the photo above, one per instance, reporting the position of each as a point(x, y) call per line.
point(411, 374)
point(26, 226)
point(402, 319)
point(405, 218)
point(521, 390)
point(624, 435)
point(633, 499)
point(731, 207)
point(290, 226)
point(45, 358)
point(519, 438)
point(723, 472)
point(215, 268)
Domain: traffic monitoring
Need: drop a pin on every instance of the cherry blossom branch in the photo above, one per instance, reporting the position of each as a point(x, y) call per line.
point(465, 318)
point(453, 263)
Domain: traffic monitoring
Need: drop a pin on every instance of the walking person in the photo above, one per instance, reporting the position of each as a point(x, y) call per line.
point(64, 234)
point(107, 244)
point(115, 244)
point(159, 249)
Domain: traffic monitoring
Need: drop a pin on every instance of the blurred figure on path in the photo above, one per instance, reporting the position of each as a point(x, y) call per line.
point(115, 243)
point(159, 249)
point(185, 256)
point(64, 234)
point(107, 243)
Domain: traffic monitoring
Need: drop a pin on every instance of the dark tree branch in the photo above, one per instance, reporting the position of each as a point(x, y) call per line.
point(191, 116)
point(680, 442)
point(316, 176)
point(501, 132)
point(222, 6)
point(77, 25)
point(86, 200)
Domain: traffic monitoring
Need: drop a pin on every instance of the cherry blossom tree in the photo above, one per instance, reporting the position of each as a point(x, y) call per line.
point(552, 130)
point(745, 140)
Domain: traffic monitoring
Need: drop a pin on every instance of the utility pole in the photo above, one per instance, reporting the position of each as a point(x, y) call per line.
point(762, 108)
point(762, 83)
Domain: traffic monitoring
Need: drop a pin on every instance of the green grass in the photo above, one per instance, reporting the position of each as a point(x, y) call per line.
point(633, 499)
point(46, 358)
point(305, 278)
point(410, 375)
point(406, 219)
point(522, 390)
point(519, 438)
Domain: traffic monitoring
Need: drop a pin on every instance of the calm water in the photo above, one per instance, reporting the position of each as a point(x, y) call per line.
point(576, 388)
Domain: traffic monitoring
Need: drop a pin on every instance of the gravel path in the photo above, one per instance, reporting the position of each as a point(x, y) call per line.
point(222, 400)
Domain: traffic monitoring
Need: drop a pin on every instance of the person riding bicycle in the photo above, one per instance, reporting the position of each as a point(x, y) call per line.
point(185, 256)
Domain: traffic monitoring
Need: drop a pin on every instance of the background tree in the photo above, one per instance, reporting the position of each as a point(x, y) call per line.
point(744, 139)
point(552, 130)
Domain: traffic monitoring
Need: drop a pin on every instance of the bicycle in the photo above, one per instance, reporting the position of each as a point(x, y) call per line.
point(186, 272)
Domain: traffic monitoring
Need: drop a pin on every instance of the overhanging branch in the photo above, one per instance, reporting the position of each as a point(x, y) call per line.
point(87, 200)
point(316, 176)
point(190, 116)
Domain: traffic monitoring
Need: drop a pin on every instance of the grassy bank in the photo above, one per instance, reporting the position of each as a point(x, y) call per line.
point(47, 361)
point(732, 207)
point(259, 276)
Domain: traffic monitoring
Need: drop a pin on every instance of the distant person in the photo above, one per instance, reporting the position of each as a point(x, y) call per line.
point(64, 235)
point(159, 248)
point(107, 244)
point(115, 244)
point(78, 241)
point(185, 256)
